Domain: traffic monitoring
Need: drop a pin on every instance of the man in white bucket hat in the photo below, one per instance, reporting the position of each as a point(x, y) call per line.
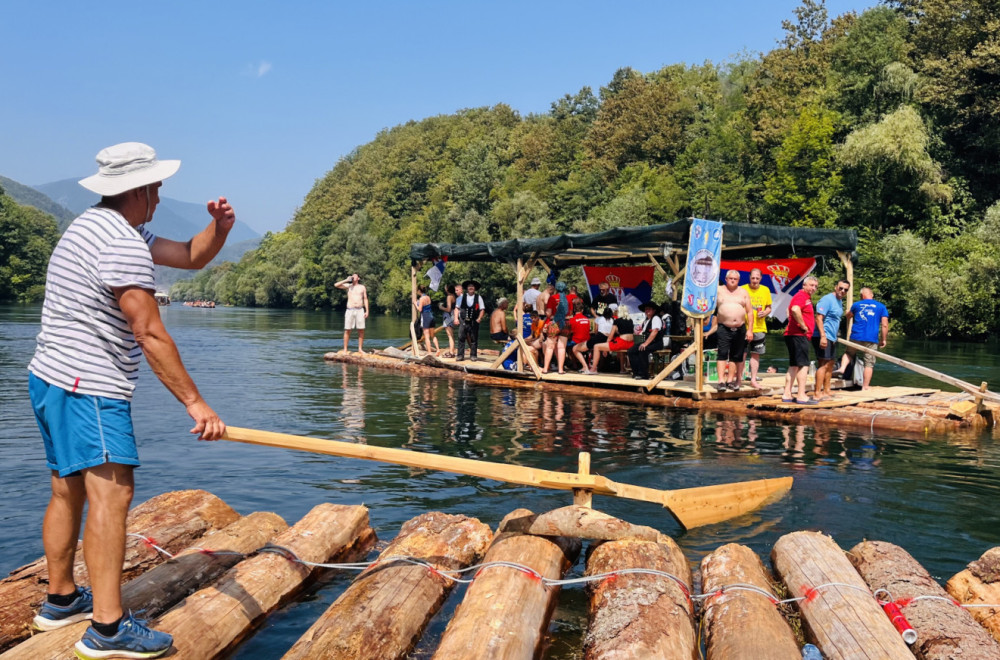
point(99, 314)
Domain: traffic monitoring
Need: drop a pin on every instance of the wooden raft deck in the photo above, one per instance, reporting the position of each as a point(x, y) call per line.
point(897, 410)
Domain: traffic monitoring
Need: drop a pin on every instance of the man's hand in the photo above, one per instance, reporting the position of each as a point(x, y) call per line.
point(366, 313)
point(823, 342)
point(222, 213)
point(207, 425)
point(881, 344)
point(749, 334)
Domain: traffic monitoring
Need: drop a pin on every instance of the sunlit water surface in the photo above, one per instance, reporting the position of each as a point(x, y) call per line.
point(935, 496)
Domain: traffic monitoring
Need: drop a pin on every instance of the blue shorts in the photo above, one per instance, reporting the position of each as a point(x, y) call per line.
point(82, 431)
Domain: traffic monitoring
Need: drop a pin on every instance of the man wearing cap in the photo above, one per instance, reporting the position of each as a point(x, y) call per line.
point(470, 310)
point(99, 314)
point(531, 295)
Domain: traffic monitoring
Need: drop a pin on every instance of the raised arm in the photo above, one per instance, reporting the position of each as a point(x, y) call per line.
point(143, 315)
point(202, 248)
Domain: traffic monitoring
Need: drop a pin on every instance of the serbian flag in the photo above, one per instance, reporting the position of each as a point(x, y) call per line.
point(632, 285)
point(436, 272)
point(784, 277)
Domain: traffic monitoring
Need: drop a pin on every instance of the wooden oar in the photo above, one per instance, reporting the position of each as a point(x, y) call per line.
point(692, 507)
point(924, 371)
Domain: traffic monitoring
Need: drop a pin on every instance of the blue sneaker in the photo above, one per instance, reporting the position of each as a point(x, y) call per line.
point(133, 640)
point(51, 617)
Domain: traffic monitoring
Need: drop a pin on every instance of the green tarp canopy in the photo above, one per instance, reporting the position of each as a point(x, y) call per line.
point(637, 244)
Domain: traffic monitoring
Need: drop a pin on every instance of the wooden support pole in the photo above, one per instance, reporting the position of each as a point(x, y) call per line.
point(506, 612)
point(841, 617)
point(213, 620)
point(583, 497)
point(522, 274)
point(741, 624)
point(676, 362)
point(385, 610)
point(414, 340)
point(659, 268)
point(162, 587)
point(174, 519)
point(943, 630)
point(978, 392)
point(845, 259)
point(979, 398)
point(640, 615)
point(527, 357)
point(699, 367)
point(504, 355)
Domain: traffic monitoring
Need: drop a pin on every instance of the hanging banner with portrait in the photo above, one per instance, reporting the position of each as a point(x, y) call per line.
point(701, 279)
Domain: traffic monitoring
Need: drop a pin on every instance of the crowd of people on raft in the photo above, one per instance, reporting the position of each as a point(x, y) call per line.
point(561, 330)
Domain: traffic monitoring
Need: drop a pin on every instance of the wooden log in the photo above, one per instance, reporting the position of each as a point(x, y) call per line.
point(578, 522)
point(173, 519)
point(839, 614)
point(384, 612)
point(505, 612)
point(742, 624)
point(160, 588)
point(979, 584)
point(212, 620)
point(640, 615)
point(944, 631)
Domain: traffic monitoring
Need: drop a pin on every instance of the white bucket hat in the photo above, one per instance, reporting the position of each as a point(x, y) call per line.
point(126, 166)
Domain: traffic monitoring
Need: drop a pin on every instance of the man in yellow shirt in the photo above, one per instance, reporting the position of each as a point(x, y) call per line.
point(760, 300)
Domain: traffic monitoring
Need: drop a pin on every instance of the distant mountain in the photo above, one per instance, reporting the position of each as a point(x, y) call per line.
point(28, 196)
point(174, 219)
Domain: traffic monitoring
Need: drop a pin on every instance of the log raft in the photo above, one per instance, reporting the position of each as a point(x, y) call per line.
point(839, 614)
point(914, 418)
point(943, 630)
point(174, 520)
point(741, 623)
point(384, 612)
point(162, 587)
point(505, 611)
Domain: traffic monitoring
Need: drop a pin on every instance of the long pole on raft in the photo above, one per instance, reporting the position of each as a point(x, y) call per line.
point(691, 507)
point(977, 392)
point(845, 259)
point(519, 309)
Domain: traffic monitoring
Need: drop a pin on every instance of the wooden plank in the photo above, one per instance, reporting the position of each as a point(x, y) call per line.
point(924, 371)
point(676, 362)
point(691, 507)
point(699, 366)
point(583, 497)
point(503, 356)
point(414, 340)
point(527, 358)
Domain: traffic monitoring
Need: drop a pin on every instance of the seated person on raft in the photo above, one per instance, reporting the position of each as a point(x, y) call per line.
point(619, 339)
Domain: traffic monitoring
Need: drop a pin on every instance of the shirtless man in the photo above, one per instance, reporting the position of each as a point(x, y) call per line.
point(732, 309)
point(357, 309)
point(498, 322)
point(542, 301)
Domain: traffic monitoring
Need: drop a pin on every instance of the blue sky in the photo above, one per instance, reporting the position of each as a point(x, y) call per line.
point(260, 99)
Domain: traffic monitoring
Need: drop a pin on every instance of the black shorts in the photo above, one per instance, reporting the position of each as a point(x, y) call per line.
point(798, 350)
point(595, 339)
point(732, 343)
point(828, 353)
point(500, 336)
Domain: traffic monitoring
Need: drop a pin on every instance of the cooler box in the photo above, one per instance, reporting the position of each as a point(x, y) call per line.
point(711, 367)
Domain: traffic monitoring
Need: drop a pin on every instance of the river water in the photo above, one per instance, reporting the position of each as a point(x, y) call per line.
point(935, 496)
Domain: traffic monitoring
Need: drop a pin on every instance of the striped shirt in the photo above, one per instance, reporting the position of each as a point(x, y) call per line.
point(85, 344)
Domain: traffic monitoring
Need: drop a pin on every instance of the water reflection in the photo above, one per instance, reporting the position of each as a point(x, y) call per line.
point(353, 403)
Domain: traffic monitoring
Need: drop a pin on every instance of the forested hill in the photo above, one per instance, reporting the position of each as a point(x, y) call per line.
point(886, 122)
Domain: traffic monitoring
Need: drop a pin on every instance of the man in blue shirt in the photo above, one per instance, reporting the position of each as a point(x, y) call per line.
point(829, 311)
point(871, 330)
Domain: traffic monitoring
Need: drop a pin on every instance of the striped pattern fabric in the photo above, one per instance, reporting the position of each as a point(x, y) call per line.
point(85, 344)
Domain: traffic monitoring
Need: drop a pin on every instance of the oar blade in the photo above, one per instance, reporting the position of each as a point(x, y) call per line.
point(706, 505)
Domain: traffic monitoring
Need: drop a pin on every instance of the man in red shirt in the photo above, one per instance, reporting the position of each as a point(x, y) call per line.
point(580, 327)
point(801, 324)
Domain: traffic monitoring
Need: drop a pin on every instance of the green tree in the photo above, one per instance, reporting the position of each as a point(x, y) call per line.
point(802, 190)
point(27, 238)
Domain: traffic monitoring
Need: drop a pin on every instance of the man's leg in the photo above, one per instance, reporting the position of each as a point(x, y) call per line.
point(361, 341)
point(823, 372)
point(60, 531)
point(347, 338)
point(109, 490)
point(800, 378)
point(754, 368)
point(738, 376)
point(463, 332)
point(473, 340)
point(790, 377)
point(866, 384)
